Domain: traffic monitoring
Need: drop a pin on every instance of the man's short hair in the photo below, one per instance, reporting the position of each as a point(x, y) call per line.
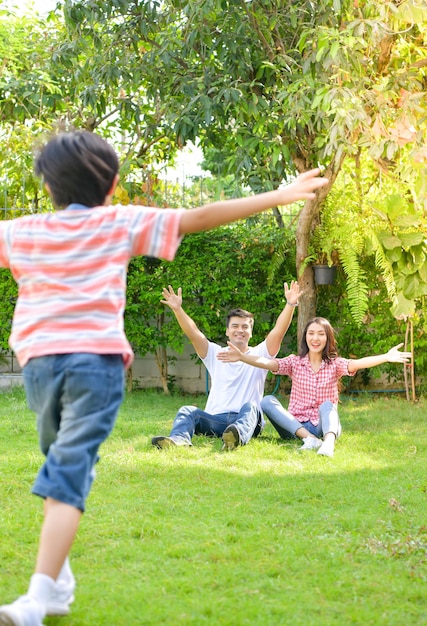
point(240, 313)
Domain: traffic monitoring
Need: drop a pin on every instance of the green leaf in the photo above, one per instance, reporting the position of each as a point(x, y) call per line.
point(405, 265)
point(321, 51)
point(423, 272)
point(393, 254)
point(334, 49)
point(402, 308)
point(412, 13)
point(419, 254)
point(388, 240)
point(411, 239)
point(396, 206)
point(407, 220)
point(414, 287)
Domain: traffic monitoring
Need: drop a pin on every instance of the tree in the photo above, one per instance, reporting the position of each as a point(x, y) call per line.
point(270, 88)
point(276, 86)
point(367, 214)
point(49, 81)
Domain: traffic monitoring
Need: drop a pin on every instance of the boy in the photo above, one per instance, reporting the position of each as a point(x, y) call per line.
point(67, 330)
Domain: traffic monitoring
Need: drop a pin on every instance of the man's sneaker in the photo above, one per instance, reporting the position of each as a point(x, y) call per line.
point(327, 448)
point(25, 611)
point(168, 442)
point(231, 438)
point(311, 443)
point(163, 442)
point(62, 597)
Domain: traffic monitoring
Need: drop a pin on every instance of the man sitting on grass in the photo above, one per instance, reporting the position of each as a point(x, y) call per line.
point(233, 409)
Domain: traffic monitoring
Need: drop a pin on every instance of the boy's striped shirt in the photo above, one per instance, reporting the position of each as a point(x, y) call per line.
point(71, 268)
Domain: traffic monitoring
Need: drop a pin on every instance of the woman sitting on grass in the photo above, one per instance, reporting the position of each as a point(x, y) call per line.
point(315, 373)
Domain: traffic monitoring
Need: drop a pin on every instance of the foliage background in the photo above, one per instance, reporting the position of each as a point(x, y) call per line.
point(230, 267)
point(332, 82)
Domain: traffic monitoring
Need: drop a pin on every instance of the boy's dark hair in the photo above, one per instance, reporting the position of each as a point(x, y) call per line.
point(240, 313)
point(78, 167)
point(330, 350)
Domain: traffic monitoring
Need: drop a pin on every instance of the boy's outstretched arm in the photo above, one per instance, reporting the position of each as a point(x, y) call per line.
point(392, 356)
point(219, 213)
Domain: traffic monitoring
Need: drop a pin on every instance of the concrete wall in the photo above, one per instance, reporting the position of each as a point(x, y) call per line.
point(189, 375)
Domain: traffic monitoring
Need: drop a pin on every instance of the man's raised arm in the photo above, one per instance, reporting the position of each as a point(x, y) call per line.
point(174, 302)
point(275, 336)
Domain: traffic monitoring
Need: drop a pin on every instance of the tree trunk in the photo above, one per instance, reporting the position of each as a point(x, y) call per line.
point(307, 303)
point(306, 222)
point(162, 356)
point(162, 365)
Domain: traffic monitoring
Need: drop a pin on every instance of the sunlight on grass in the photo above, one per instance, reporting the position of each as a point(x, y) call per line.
point(262, 536)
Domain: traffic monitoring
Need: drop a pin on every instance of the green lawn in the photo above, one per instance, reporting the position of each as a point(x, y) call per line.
point(265, 535)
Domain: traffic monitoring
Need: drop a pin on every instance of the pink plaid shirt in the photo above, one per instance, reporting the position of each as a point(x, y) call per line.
point(310, 389)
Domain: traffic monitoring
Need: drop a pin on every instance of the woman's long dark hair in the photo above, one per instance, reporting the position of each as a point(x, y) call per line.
point(330, 350)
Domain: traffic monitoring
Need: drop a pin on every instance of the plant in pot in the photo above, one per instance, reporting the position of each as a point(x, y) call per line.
point(338, 240)
point(324, 274)
point(323, 256)
point(324, 270)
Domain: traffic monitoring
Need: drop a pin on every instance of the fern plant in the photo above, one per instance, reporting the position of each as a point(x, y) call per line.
point(357, 287)
point(384, 266)
point(339, 239)
point(368, 215)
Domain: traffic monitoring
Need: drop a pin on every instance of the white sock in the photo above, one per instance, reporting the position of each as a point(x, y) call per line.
point(66, 573)
point(327, 448)
point(41, 587)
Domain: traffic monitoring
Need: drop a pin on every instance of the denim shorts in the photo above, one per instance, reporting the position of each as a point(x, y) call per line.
point(76, 398)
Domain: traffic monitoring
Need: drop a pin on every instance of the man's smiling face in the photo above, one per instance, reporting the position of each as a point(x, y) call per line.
point(239, 331)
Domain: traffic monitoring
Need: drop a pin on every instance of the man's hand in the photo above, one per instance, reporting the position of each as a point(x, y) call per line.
point(292, 293)
point(232, 355)
point(171, 299)
point(394, 356)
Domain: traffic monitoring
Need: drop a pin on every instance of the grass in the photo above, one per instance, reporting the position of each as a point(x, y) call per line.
point(264, 535)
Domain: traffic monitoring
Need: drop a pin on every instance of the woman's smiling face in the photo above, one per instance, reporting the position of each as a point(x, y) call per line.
point(316, 338)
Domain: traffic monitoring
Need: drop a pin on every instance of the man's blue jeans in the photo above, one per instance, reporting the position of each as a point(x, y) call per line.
point(191, 420)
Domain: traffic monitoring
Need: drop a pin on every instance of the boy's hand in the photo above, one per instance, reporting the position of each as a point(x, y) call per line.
point(292, 293)
point(171, 299)
point(394, 356)
point(303, 187)
point(232, 355)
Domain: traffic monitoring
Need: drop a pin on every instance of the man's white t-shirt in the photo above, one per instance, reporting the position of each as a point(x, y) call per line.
point(234, 384)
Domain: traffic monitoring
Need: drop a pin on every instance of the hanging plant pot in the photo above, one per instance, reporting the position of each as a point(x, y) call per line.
point(324, 274)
